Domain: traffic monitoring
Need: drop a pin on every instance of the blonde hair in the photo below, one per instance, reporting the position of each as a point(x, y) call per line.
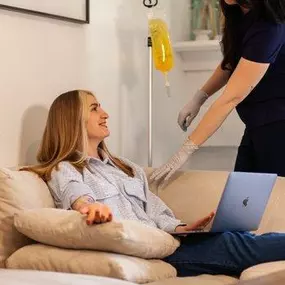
point(65, 136)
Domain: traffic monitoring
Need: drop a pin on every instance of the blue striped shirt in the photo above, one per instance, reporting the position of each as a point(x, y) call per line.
point(129, 198)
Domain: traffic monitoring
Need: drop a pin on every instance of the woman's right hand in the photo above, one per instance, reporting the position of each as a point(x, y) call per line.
point(191, 110)
point(97, 213)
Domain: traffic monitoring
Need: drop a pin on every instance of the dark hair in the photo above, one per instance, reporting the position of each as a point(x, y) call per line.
point(267, 10)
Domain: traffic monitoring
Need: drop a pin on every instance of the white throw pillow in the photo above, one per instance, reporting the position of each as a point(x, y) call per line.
point(68, 229)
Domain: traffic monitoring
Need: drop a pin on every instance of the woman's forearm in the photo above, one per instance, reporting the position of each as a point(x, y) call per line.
point(246, 76)
point(211, 122)
point(217, 81)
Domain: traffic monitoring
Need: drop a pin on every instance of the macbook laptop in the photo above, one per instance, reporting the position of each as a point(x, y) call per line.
point(242, 204)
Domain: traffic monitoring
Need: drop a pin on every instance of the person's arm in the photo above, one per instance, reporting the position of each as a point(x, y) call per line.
point(189, 112)
point(244, 79)
point(155, 208)
point(161, 214)
point(217, 81)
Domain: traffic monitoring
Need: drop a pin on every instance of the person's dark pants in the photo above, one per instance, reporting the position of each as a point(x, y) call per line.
point(262, 149)
point(226, 253)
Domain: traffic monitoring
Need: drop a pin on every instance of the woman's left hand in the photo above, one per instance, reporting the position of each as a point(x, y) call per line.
point(199, 225)
point(174, 163)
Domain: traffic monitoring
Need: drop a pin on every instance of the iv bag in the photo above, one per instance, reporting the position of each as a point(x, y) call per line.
point(161, 45)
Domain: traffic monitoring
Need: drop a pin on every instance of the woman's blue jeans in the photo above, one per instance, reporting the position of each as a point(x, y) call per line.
point(225, 253)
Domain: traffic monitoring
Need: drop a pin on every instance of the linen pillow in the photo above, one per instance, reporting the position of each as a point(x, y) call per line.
point(48, 258)
point(18, 190)
point(68, 229)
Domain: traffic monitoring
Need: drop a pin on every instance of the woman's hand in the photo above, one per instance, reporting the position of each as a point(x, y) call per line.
point(191, 109)
point(174, 163)
point(199, 225)
point(97, 213)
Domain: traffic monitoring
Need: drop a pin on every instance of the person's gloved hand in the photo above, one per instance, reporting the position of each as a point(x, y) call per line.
point(174, 163)
point(191, 109)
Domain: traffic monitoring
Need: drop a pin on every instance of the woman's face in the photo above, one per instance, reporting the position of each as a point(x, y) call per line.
point(97, 128)
point(231, 2)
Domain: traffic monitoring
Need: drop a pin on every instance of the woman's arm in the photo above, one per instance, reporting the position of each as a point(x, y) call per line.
point(217, 81)
point(246, 76)
point(189, 112)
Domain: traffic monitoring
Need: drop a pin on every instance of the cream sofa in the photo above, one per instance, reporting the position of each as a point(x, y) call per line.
point(191, 195)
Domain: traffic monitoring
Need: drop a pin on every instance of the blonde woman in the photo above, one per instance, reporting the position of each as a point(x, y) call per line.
point(82, 175)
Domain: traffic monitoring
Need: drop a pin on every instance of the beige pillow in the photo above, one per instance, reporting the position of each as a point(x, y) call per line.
point(68, 229)
point(18, 190)
point(48, 258)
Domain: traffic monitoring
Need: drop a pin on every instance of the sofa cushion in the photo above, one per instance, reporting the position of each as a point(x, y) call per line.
point(199, 280)
point(48, 258)
point(68, 229)
point(18, 190)
point(262, 270)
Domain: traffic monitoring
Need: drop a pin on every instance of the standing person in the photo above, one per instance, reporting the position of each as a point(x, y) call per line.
point(253, 71)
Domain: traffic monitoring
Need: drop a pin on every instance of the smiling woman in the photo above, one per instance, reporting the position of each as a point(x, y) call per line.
point(76, 11)
point(83, 176)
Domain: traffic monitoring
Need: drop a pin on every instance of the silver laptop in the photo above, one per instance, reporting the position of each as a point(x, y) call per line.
point(242, 204)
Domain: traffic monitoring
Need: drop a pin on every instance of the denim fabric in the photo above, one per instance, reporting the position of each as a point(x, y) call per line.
point(225, 253)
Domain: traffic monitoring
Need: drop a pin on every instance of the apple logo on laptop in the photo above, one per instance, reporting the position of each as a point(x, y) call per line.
point(245, 202)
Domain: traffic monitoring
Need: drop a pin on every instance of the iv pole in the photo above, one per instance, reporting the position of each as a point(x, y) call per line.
point(150, 4)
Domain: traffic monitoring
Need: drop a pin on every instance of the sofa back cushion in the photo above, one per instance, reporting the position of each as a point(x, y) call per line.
point(19, 190)
point(193, 194)
point(274, 219)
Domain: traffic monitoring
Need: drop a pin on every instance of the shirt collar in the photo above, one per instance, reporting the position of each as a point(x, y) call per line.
point(104, 155)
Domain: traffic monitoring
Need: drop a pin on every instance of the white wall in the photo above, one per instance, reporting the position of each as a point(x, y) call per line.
point(118, 72)
point(40, 58)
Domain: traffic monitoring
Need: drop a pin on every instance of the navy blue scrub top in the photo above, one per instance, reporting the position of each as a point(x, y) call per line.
point(263, 42)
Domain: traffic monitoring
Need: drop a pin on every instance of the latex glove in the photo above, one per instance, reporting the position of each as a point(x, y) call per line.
point(191, 109)
point(174, 163)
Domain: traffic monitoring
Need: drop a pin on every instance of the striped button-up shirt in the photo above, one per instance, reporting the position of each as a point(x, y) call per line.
point(129, 198)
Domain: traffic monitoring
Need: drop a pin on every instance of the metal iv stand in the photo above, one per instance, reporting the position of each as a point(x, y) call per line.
point(150, 4)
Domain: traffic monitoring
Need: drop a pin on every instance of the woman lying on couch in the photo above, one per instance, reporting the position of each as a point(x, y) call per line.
point(82, 175)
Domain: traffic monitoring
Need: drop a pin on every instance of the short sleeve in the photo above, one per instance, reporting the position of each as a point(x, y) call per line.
point(262, 42)
point(66, 185)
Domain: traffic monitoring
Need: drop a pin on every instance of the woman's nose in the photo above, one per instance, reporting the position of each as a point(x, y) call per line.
point(105, 115)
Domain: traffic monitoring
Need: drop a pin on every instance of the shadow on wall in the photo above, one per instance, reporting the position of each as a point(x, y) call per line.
point(33, 124)
point(131, 29)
